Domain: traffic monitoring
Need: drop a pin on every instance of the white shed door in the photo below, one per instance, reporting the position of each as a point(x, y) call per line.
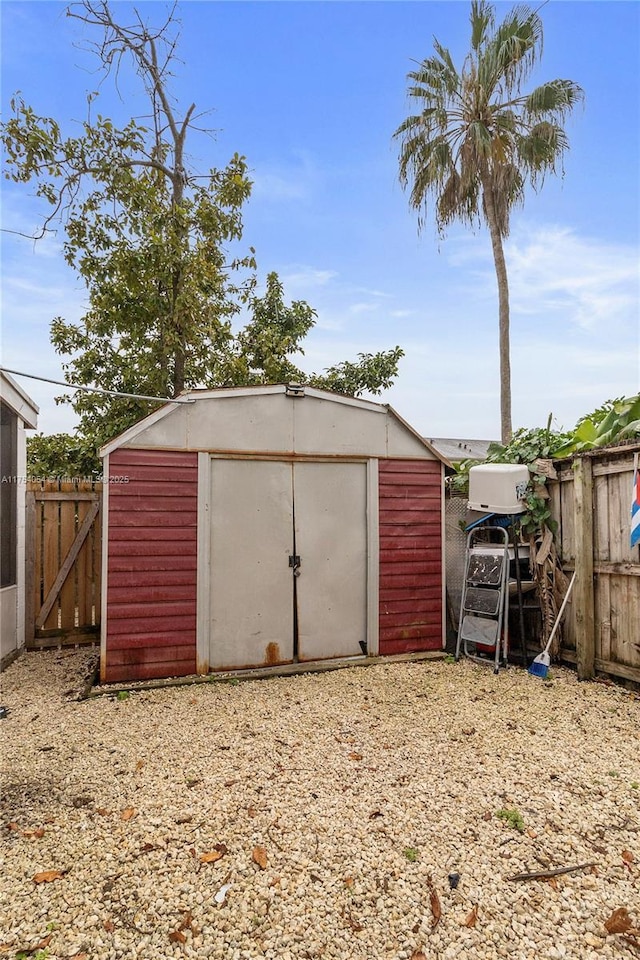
point(251, 594)
point(263, 514)
point(331, 540)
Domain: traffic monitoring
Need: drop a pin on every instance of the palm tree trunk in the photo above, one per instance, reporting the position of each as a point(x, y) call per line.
point(506, 429)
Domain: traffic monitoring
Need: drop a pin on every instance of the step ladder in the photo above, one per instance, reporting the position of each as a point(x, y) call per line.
point(484, 605)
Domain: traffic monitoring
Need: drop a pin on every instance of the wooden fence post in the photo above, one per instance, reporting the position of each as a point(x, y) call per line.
point(30, 568)
point(584, 597)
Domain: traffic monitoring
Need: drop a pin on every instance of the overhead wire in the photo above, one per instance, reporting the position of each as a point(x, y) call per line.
point(109, 393)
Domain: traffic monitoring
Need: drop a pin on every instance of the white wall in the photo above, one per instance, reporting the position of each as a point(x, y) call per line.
point(12, 598)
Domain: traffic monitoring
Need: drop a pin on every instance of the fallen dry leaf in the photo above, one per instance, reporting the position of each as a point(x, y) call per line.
point(436, 909)
point(103, 811)
point(13, 826)
point(472, 917)
point(79, 956)
point(259, 856)
point(34, 834)
point(216, 854)
point(139, 764)
point(355, 756)
point(627, 856)
point(43, 944)
point(128, 813)
point(177, 937)
point(109, 926)
point(619, 921)
point(418, 955)
point(354, 924)
point(531, 833)
point(553, 883)
point(46, 876)
point(349, 881)
point(252, 812)
point(210, 857)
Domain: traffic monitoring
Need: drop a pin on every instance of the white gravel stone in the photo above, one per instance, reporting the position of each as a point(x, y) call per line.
point(366, 788)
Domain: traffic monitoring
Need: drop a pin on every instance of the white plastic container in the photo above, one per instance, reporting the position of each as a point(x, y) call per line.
point(498, 487)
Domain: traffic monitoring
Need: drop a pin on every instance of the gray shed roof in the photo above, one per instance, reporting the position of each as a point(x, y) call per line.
point(456, 450)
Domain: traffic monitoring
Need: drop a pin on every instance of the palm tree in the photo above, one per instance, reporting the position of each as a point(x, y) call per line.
point(478, 140)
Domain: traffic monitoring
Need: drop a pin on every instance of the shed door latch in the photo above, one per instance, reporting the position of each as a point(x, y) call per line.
point(294, 563)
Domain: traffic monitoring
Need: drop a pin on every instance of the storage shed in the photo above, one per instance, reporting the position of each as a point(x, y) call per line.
point(268, 525)
point(18, 413)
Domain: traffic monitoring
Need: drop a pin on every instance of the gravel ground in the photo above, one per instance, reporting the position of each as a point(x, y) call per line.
point(319, 816)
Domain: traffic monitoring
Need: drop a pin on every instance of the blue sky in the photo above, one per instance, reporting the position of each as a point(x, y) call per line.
point(311, 92)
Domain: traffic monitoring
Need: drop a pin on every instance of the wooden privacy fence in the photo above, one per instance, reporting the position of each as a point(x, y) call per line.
point(63, 560)
point(591, 502)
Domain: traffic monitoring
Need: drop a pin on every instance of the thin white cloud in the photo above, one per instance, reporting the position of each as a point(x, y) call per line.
point(355, 309)
point(559, 276)
point(298, 278)
point(294, 180)
point(592, 283)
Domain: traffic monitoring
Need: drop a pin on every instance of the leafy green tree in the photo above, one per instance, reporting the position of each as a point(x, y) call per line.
point(275, 335)
point(477, 140)
point(60, 455)
point(157, 247)
point(616, 421)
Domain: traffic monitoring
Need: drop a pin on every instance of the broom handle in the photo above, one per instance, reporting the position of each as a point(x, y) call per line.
point(559, 617)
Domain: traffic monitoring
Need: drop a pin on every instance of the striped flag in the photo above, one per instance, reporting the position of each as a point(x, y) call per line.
point(635, 504)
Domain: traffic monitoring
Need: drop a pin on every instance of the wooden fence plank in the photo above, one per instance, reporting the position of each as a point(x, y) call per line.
point(61, 495)
point(51, 560)
point(31, 532)
point(584, 600)
point(83, 568)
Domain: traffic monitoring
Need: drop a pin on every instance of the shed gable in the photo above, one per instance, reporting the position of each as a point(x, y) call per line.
point(269, 420)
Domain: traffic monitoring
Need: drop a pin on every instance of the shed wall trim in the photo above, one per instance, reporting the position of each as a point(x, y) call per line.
point(204, 563)
point(373, 559)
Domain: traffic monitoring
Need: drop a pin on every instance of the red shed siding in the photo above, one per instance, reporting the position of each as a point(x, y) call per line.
point(410, 503)
point(151, 566)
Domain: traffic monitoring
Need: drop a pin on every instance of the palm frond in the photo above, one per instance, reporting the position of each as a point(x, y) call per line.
point(515, 46)
point(449, 73)
point(482, 18)
point(556, 97)
point(541, 150)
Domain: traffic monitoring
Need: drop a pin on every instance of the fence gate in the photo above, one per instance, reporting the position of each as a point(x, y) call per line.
point(63, 560)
